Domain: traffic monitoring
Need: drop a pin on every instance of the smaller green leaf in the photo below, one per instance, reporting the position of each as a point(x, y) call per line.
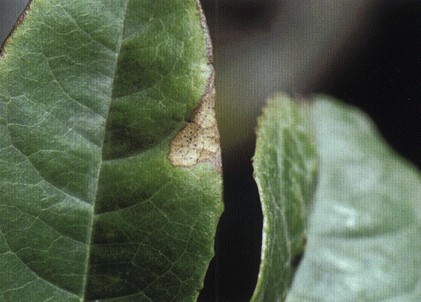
point(364, 235)
point(285, 166)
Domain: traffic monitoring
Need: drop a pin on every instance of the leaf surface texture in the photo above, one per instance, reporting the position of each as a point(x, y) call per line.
point(92, 93)
point(285, 167)
point(364, 238)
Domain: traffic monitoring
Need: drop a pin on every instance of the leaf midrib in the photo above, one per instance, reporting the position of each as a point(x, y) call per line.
point(90, 229)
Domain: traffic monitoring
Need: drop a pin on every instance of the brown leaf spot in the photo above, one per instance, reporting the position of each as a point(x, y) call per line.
point(198, 141)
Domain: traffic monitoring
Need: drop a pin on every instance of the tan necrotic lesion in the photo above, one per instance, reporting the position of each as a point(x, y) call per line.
point(198, 141)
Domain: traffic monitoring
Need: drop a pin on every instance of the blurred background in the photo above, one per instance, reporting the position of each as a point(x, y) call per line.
point(364, 52)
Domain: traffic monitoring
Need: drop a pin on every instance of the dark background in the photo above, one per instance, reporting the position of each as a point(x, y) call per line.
point(366, 53)
point(379, 72)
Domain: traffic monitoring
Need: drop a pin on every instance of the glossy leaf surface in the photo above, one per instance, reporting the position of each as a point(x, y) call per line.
point(99, 199)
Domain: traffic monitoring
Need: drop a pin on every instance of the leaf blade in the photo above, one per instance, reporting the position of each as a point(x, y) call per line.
point(364, 232)
point(285, 168)
point(54, 118)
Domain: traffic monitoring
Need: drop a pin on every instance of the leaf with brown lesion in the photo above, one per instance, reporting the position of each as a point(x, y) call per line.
point(108, 216)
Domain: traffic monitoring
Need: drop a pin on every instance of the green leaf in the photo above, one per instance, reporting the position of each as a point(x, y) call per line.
point(364, 241)
point(109, 155)
point(285, 167)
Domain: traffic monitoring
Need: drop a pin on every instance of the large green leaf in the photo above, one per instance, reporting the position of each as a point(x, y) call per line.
point(285, 166)
point(364, 235)
point(109, 159)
